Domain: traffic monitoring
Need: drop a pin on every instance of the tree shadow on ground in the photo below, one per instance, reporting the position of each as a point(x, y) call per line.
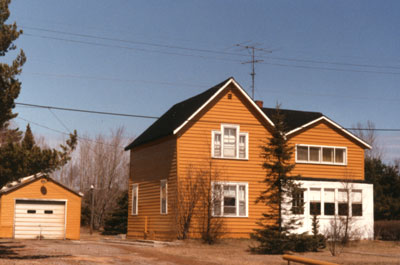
point(10, 250)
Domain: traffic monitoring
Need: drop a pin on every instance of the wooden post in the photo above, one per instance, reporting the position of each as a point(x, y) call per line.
point(92, 208)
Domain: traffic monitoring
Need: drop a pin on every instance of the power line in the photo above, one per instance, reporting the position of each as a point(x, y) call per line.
point(208, 50)
point(87, 111)
point(209, 57)
point(65, 133)
point(155, 117)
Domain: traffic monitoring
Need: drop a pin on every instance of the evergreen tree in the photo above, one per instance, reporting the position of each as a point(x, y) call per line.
point(20, 158)
point(280, 189)
point(9, 84)
point(117, 222)
point(24, 158)
point(386, 180)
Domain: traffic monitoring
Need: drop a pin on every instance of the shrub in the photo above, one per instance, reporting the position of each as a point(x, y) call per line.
point(275, 243)
point(116, 223)
point(387, 230)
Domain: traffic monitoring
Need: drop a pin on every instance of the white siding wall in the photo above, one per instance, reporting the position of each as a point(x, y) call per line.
point(363, 224)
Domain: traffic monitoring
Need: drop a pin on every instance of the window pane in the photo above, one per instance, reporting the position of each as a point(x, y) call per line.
point(217, 144)
point(302, 153)
point(217, 194)
point(329, 208)
point(343, 209)
point(229, 142)
point(327, 154)
point(356, 196)
point(229, 200)
point(242, 146)
point(342, 194)
point(329, 195)
point(298, 202)
point(356, 209)
point(339, 155)
point(315, 194)
point(242, 200)
point(315, 208)
point(163, 197)
point(314, 154)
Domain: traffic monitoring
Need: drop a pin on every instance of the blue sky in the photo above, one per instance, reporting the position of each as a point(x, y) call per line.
point(341, 58)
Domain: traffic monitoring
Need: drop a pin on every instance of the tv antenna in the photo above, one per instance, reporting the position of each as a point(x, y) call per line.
point(252, 50)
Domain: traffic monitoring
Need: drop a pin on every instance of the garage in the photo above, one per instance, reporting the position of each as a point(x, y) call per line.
point(39, 207)
point(39, 219)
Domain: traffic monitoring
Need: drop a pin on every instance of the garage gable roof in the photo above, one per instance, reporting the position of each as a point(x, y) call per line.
point(14, 185)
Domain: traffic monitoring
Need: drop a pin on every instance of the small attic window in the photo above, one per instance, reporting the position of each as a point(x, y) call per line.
point(229, 96)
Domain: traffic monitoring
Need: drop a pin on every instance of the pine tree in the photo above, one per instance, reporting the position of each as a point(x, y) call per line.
point(20, 158)
point(117, 222)
point(9, 84)
point(280, 188)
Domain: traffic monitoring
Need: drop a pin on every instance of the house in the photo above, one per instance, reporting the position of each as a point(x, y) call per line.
point(225, 128)
point(37, 206)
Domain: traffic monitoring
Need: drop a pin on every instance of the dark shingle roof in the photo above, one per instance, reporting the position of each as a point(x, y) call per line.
point(180, 112)
point(174, 117)
point(294, 118)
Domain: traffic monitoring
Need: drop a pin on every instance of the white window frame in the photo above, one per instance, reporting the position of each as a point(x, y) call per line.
point(135, 191)
point(238, 134)
point(237, 184)
point(164, 181)
point(321, 155)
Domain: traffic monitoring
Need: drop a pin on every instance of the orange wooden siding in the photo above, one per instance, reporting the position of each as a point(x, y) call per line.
point(150, 164)
point(32, 191)
point(326, 135)
point(172, 157)
point(194, 149)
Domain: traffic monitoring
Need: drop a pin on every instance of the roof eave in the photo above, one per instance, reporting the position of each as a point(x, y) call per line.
point(366, 145)
point(231, 80)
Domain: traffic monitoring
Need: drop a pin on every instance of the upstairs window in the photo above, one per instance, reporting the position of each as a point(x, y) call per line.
point(230, 199)
point(163, 197)
point(321, 154)
point(229, 142)
point(134, 199)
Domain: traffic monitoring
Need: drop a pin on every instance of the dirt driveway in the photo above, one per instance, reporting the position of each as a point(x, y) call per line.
point(117, 251)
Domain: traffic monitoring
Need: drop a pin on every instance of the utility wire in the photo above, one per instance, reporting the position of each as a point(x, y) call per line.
point(208, 50)
point(209, 57)
point(65, 133)
point(155, 117)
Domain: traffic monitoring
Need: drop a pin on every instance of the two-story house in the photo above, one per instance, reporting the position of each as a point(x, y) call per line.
point(224, 127)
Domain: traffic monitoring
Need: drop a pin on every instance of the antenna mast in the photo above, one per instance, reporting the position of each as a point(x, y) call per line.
point(253, 61)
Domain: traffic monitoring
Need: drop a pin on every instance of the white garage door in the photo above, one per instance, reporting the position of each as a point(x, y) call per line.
point(39, 219)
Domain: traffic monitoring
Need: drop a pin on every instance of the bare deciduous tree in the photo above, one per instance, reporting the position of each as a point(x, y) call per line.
point(188, 197)
point(103, 163)
point(367, 133)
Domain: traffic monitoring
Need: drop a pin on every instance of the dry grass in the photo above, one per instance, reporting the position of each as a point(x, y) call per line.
point(236, 252)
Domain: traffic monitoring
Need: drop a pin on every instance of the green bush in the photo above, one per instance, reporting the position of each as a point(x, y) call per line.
point(387, 230)
point(273, 242)
point(117, 222)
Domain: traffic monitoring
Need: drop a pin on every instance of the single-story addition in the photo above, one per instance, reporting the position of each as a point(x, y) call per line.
point(39, 207)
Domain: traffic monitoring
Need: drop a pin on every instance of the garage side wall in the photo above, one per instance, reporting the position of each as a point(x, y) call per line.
point(32, 191)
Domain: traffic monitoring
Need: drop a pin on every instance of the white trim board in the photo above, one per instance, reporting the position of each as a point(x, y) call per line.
point(231, 80)
point(335, 125)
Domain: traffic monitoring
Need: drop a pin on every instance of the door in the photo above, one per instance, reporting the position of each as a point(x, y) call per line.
point(39, 219)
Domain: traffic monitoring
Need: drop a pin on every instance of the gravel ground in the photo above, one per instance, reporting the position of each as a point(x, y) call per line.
point(103, 250)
